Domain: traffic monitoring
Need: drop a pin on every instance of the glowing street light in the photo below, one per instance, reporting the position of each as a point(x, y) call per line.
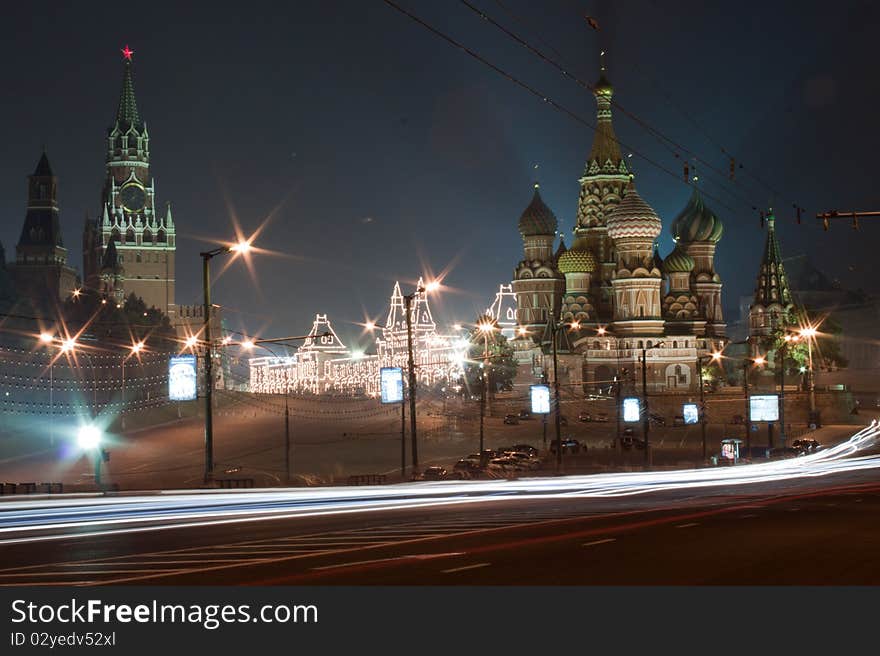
point(370, 325)
point(241, 247)
point(247, 344)
point(191, 341)
point(760, 361)
point(432, 286)
point(46, 338)
point(88, 438)
point(68, 344)
point(600, 330)
point(137, 347)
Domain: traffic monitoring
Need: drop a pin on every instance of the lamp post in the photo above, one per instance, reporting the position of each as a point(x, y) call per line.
point(48, 338)
point(646, 421)
point(485, 327)
point(241, 247)
point(554, 330)
point(712, 357)
point(809, 333)
point(408, 299)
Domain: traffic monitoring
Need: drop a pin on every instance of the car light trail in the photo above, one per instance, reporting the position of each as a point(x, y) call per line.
point(60, 518)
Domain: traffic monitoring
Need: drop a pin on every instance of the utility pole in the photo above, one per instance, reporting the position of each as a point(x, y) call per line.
point(556, 399)
point(209, 374)
point(287, 436)
point(412, 378)
point(748, 414)
point(646, 421)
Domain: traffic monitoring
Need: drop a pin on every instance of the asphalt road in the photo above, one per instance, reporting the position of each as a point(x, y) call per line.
point(808, 530)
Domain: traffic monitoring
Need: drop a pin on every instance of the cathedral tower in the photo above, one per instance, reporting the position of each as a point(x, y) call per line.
point(144, 235)
point(603, 185)
point(697, 231)
point(633, 226)
point(773, 302)
point(537, 282)
point(40, 270)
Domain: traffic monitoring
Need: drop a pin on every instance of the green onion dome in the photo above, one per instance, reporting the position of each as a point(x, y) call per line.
point(537, 219)
point(678, 262)
point(696, 222)
point(633, 217)
point(578, 259)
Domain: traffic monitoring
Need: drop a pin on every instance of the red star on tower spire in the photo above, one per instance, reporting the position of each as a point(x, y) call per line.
point(127, 52)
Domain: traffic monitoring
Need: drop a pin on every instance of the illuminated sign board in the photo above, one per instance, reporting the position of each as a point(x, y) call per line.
point(182, 378)
point(691, 413)
point(391, 384)
point(631, 409)
point(540, 396)
point(764, 407)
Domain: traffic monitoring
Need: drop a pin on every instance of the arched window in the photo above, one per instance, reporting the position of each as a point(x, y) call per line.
point(160, 236)
point(596, 345)
point(674, 344)
point(641, 344)
point(114, 235)
point(148, 237)
point(129, 236)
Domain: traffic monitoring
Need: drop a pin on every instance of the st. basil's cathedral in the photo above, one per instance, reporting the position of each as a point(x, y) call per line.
point(611, 295)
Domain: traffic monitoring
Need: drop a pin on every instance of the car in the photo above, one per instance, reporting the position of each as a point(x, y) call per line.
point(601, 417)
point(525, 414)
point(506, 463)
point(628, 442)
point(434, 473)
point(585, 417)
point(656, 419)
point(511, 419)
point(806, 446)
point(569, 445)
point(465, 468)
point(527, 461)
point(526, 448)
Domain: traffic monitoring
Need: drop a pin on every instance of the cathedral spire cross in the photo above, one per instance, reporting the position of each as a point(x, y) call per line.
point(127, 52)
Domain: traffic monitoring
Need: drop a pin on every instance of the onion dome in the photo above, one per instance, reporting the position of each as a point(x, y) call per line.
point(537, 219)
point(633, 217)
point(678, 262)
point(696, 222)
point(577, 259)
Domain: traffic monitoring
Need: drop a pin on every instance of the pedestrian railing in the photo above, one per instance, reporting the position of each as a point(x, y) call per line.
point(31, 488)
point(367, 479)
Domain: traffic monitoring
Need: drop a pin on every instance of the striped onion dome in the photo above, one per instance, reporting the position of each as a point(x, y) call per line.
point(696, 222)
point(578, 259)
point(633, 217)
point(678, 262)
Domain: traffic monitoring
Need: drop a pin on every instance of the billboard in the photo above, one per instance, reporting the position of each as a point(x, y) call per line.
point(764, 407)
point(691, 413)
point(631, 409)
point(391, 384)
point(540, 396)
point(182, 378)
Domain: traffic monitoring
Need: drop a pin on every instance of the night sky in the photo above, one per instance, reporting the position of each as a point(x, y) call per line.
point(387, 152)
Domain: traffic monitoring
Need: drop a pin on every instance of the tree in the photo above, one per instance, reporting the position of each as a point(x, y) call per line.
point(108, 322)
point(498, 351)
point(825, 346)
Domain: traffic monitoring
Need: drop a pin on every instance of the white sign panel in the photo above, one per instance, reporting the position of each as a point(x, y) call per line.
point(182, 378)
point(391, 384)
point(540, 395)
point(691, 413)
point(631, 409)
point(764, 407)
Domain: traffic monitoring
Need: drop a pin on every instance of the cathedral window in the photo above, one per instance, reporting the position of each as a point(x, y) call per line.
point(129, 236)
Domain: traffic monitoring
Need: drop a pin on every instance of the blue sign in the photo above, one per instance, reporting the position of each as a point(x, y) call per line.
point(391, 384)
point(540, 396)
point(632, 409)
point(182, 378)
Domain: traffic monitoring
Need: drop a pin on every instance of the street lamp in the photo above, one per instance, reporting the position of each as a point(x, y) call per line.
point(715, 356)
point(88, 439)
point(646, 421)
point(134, 351)
point(809, 333)
point(554, 331)
point(408, 299)
point(241, 247)
point(486, 328)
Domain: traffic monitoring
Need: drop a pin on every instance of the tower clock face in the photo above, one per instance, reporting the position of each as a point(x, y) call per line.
point(133, 197)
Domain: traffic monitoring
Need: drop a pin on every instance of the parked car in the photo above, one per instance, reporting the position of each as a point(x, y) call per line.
point(511, 419)
point(526, 448)
point(507, 464)
point(466, 468)
point(806, 446)
point(601, 417)
point(585, 416)
point(628, 442)
point(434, 473)
point(525, 414)
point(569, 445)
point(527, 461)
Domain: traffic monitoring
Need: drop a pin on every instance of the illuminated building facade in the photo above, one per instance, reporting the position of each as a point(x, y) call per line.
point(324, 365)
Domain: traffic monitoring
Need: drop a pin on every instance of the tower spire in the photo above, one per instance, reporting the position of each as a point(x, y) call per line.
point(127, 112)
